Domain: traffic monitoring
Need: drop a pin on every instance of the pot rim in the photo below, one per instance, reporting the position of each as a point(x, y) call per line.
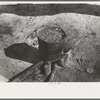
point(64, 35)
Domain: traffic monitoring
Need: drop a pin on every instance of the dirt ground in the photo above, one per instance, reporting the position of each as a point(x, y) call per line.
point(18, 25)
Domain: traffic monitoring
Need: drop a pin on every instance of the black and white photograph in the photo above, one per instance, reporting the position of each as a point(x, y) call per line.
point(49, 42)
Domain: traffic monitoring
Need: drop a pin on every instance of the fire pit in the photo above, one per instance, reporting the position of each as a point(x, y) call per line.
point(51, 43)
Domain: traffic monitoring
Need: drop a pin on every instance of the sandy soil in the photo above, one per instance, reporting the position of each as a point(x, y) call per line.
point(16, 29)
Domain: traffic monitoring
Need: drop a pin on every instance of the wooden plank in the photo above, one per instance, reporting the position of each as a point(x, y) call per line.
point(70, 43)
point(24, 74)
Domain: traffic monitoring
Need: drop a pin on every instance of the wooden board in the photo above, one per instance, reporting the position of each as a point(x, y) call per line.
point(24, 74)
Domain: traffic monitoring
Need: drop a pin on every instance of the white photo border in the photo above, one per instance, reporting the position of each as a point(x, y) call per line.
point(50, 90)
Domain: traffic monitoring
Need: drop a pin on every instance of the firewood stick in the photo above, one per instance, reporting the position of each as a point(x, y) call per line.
point(53, 72)
point(24, 74)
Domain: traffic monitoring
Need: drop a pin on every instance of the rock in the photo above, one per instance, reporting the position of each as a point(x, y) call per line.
point(89, 70)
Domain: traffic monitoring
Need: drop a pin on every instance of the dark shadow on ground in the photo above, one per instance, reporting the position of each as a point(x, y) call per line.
point(24, 52)
point(49, 9)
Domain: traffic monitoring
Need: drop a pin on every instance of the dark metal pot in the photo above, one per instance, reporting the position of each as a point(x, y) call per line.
point(51, 51)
